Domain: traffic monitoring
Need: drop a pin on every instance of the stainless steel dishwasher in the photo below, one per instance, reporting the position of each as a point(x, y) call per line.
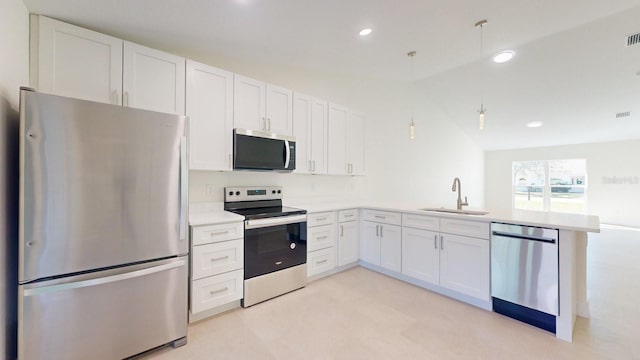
point(524, 273)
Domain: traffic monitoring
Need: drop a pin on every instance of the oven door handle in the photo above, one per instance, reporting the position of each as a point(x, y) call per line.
point(283, 220)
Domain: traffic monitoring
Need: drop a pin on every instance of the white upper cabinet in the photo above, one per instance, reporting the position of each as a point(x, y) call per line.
point(260, 106)
point(355, 143)
point(71, 61)
point(337, 140)
point(209, 106)
point(310, 131)
point(153, 80)
point(249, 103)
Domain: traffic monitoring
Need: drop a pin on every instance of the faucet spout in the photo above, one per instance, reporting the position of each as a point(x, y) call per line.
point(457, 187)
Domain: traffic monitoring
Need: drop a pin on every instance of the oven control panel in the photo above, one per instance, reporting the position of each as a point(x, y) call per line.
point(251, 193)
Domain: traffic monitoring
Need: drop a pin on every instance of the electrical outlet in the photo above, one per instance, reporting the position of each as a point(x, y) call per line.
point(209, 189)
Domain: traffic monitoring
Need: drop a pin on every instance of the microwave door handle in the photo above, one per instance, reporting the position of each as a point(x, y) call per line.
point(287, 154)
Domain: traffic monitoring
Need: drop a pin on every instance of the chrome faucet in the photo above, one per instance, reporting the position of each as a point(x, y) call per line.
point(459, 189)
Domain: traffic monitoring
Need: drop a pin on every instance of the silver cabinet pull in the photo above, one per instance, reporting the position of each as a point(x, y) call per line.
point(220, 258)
point(348, 215)
point(377, 230)
point(380, 217)
point(435, 241)
point(230, 164)
point(321, 219)
point(381, 232)
point(213, 292)
point(126, 99)
point(314, 165)
point(114, 97)
point(310, 165)
point(264, 124)
point(268, 124)
point(341, 230)
point(321, 237)
point(321, 261)
point(441, 242)
point(218, 233)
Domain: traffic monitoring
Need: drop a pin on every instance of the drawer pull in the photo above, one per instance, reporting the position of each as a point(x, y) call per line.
point(321, 261)
point(321, 237)
point(219, 233)
point(350, 215)
point(213, 292)
point(380, 217)
point(220, 258)
point(321, 219)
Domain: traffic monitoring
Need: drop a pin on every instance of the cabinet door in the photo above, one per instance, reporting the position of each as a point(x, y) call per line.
point(348, 235)
point(391, 247)
point(464, 265)
point(302, 132)
point(319, 115)
point(249, 103)
point(153, 80)
point(337, 138)
point(355, 142)
point(370, 242)
point(71, 61)
point(210, 111)
point(279, 110)
point(421, 254)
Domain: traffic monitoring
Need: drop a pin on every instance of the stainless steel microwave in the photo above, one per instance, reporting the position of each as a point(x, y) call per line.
point(257, 150)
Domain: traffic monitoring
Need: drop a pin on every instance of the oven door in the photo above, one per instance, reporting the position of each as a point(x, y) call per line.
point(273, 244)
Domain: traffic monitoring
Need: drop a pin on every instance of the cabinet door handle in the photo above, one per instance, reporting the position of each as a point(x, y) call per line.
point(381, 232)
point(310, 165)
point(230, 164)
point(341, 230)
point(114, 97)
point(126, 98)
point(441, 242)
point(435, 241)
point(220, 258)
point(314, 165)
point(264, 124)
point(268, 124)
point(213, 292)
point(377, 230)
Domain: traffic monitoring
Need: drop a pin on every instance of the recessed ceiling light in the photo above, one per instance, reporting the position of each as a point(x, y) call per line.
point(503, 56)
point(534, 124)
point(365, 32)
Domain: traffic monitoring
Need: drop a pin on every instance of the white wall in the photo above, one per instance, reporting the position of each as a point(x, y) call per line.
point(14, 72)
point(398, 169)
point(614, 203)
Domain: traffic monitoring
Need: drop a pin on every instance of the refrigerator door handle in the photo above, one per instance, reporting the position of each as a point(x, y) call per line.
point(104, 280)
point(184, 183)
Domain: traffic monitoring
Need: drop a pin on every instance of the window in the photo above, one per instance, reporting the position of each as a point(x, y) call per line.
point(550, 185)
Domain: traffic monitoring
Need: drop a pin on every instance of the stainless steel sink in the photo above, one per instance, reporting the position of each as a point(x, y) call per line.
point(456, 211)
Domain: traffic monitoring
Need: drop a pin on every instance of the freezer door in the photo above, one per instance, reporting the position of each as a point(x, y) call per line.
point(100, 186)
point(106, 315)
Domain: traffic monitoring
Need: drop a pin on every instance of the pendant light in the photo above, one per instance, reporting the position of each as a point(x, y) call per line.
point(482, 110)
point(412, 124)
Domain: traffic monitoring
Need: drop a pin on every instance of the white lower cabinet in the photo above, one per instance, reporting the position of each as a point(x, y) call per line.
point(321, 242)
point(348, 234)
point(217, 267)
point(451, 260)
point(381, 240)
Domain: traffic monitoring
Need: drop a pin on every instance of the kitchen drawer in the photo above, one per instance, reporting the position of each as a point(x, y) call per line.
point(320, 237)
point(431, 223)
point(348, 215)
point(214, 233)
point(214, 291)
point(384, 217)
point(323, 218)
point(217, 258)
point(476, 229)
point(320, 261)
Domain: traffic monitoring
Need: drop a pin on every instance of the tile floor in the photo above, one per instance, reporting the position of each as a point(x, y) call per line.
point(360, 314)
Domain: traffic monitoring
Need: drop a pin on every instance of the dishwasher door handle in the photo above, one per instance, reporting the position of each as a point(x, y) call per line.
point(523, 236)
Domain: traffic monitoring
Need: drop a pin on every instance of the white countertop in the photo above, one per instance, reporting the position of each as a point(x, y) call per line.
point(574, 222)
point(212, 213)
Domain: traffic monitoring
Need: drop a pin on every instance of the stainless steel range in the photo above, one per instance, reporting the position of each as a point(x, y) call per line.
point(275, 242)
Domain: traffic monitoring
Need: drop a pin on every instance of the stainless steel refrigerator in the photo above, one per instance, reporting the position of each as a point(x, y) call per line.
point(103, 246)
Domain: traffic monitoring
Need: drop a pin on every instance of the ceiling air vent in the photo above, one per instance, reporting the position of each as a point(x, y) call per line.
point(633, 39)
point(623, 114)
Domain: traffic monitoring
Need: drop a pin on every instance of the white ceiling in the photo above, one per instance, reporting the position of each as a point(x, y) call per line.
point(574, 94)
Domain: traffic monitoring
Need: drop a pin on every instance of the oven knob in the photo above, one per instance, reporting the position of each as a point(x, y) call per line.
point(292, 246)
point(238, 193)
point(273, 191)
point(230, 193)
point(279, 191)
